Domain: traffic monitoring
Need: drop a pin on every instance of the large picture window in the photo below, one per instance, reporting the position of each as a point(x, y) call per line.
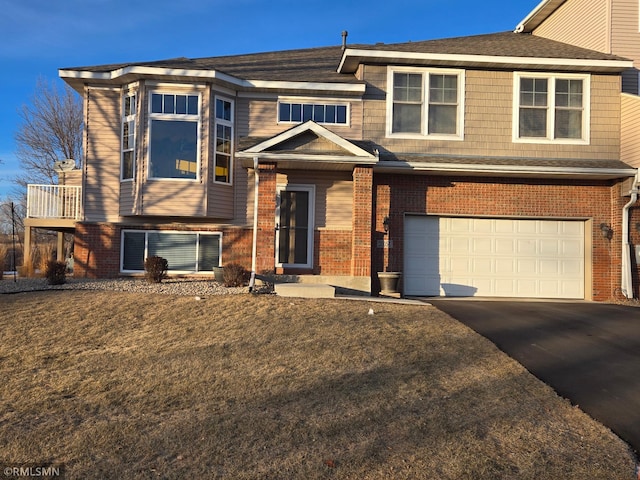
point(128, 136)
point(174, 139)
point(551, 108)
point(186, 252)
point(426, 102)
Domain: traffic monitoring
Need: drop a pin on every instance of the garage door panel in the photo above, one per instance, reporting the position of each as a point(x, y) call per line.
point(494, 257)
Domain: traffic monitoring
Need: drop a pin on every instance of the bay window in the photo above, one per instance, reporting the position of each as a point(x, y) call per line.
point(224, 140)
point(174, 138)
point(128, 160)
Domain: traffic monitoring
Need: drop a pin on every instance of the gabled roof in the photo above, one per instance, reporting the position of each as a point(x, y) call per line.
point(308, 145)
point(496, 50)
point(538, 15)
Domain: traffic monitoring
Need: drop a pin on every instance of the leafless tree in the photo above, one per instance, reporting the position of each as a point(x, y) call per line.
point(50, 130)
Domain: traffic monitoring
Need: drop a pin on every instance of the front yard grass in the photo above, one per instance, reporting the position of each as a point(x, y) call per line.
point(117, 385)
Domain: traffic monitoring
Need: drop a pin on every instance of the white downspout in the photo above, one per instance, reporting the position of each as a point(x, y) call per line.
point(626, 284)
point(254, 247)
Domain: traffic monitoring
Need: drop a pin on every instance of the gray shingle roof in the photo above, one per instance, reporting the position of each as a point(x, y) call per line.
point(503, 44)
point(304, 65)
point(321, 64)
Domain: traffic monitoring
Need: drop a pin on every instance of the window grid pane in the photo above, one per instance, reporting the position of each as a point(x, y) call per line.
point(318, 112)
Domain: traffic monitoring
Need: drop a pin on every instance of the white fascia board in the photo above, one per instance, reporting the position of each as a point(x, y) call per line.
point(540, 9)
point(474, 169)
point(310, 158)
point(392, 57)
point(211, 74)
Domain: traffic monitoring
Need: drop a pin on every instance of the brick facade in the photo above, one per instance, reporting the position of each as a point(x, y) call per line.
point(599, 202)
point(367, 249)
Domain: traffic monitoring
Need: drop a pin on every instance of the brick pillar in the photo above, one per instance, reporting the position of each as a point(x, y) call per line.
point(266, 217)
point(362, 215)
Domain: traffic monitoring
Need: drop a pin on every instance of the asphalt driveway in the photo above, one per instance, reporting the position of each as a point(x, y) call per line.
point(588, 353)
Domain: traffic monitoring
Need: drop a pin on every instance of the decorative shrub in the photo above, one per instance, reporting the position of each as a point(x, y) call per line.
point(234, 275)
point(55, 272)
point(155, 269)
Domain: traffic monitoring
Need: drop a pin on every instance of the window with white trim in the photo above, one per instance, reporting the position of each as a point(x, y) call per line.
point(186, 252)
point(425, 102)
point(551, 108)
point(224, 140)
point(128, 160)
point(174, 139)
point(299, 112)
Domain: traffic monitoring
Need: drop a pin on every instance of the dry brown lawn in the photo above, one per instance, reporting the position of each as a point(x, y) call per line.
point(122, 386)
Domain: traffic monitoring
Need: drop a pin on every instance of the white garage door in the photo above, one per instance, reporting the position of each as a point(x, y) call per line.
point(450, 256)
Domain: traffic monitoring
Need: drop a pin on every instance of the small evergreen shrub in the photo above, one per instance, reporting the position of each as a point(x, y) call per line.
point(155, 269)
point(55, 272)
point(234, 275)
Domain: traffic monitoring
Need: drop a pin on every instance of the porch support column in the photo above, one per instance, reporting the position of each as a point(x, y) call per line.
point(26, 254)
point(60, 247)
point(266, 218)
point(362, 221)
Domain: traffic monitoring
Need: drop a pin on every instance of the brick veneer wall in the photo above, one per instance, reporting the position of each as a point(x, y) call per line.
point(598, 201)
point(332, 252)
point(362, 218)
point(97, 246)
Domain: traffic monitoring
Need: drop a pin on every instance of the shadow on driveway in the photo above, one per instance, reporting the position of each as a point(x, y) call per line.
point(588, 353)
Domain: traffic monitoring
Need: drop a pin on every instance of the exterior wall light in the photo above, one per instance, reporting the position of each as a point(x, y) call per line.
point(607, 231)
point(386, 224)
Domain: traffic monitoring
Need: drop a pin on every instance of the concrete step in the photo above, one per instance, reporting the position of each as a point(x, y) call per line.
point(305, 290)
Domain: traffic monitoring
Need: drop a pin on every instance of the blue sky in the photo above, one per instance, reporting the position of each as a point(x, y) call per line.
point(37, 37)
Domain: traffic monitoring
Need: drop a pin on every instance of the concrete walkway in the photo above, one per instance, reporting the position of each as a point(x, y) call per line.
point(588, 352)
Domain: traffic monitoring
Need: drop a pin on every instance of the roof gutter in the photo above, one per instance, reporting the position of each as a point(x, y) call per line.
point(209, 74)
point(501, 170)
point(352, 57)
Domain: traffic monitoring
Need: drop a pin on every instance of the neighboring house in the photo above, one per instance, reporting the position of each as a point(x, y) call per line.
point(485, 165)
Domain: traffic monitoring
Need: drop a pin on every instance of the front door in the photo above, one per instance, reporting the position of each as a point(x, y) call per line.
point(294, 226)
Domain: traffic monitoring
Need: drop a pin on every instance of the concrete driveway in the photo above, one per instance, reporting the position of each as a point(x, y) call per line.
point(587, 352)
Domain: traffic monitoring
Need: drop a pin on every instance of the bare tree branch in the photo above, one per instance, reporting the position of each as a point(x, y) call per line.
point(50, 130)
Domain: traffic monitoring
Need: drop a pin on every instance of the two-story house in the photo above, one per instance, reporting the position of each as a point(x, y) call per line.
point(486, 165)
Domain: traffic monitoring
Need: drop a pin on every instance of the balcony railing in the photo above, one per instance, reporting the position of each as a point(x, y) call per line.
point(54, 201)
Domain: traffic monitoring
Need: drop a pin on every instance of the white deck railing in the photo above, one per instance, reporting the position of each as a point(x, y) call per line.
point(54, 201)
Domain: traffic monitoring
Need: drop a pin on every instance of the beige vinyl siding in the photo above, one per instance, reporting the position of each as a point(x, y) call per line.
point(629, 138)
point(625, 39)
point(625, 34)
point(583, 23)
point(489, 116)
point(262, 119)
point(102, 155)
point(334, 196)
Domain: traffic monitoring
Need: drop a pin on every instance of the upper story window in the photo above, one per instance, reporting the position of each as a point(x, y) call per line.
point(224, 140)
point(426, 102)
point(551, 108)
point(298, 112)
point(128, 161)
point(174, 139)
